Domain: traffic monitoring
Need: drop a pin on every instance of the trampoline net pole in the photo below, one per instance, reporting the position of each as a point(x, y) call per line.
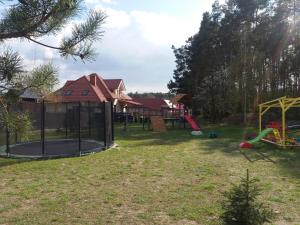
point(104, 124)
point(112, 122)
point(79, 133)
point(7, 135)
point(184, 113)
point(89, 119)
point(149, 119)
point(143, 118)
point(66, 119)
point(7, 141)
point(43, 126)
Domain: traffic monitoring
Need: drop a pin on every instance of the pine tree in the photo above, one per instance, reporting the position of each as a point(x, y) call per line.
point(30, 20)
point(181, 82)
point(245, 52)
point(241, 206)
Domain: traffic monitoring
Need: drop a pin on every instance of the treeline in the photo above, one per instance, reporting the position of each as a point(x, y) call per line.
point(151, 95)
point(246, 52)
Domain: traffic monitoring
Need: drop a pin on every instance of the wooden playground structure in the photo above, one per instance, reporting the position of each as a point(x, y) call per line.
point(157, 119)
point(150, 118)
point(280, 129)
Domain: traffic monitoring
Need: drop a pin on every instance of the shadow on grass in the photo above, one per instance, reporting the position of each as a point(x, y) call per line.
point(227, 142)
point(141, 137)
point(259, 156)
point(287, 159)
point(11, 161)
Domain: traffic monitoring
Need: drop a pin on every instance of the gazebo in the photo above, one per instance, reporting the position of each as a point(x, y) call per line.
point(184, 99)
point(283, 103)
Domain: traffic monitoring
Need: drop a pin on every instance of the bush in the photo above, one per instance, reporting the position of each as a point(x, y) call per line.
point(241, 206)
point(16, 122)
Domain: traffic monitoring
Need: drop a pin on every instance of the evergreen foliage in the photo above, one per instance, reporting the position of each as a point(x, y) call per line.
point(151, 95)
point(16, 122)
point(14, 80)
point(245, 52)
point(30, 20)
point(241, 206)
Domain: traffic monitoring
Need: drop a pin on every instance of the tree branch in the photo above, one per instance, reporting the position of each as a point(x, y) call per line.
point(45, 45)
point(23, 33)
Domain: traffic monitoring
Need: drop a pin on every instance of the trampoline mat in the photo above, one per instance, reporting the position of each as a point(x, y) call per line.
point(56, 148)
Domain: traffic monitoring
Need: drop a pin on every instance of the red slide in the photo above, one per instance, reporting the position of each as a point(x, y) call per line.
point(192, 122)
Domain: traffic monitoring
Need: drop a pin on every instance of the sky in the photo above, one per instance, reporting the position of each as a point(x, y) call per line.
point(136, 46)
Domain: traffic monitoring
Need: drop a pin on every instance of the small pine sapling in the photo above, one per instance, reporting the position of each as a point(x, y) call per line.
point(241, 205)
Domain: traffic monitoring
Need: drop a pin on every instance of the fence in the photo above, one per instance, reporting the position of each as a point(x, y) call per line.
point(60, 129)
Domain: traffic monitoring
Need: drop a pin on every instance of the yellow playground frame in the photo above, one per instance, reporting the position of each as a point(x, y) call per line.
point(285, 104)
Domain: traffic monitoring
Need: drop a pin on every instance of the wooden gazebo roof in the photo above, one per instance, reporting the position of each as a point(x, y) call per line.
point(182, 98)
point(284, 102)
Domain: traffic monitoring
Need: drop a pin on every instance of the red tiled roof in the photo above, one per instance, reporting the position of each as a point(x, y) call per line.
point(69, 82)
point(113, 84)
point(102, 87)
point(125, 97)
point(77, 87)
point(130, 102)
point(152, 103)
point(98, 92)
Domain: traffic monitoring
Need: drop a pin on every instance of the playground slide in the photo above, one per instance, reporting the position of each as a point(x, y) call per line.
point(261, 135)
point(192, 122)
point(249, 144)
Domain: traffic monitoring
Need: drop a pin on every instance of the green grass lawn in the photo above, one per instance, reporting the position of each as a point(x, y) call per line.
point(150, 178)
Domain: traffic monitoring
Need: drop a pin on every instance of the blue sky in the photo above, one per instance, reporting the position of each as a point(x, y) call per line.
point(137, 42)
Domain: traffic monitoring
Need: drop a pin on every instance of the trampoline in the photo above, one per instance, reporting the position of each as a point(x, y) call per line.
point(61, 130)
point(54, 148)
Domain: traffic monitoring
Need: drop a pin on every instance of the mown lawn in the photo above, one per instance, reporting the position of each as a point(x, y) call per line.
point(150, 178)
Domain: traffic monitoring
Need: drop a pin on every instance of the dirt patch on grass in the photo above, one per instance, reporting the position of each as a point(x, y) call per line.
point(163, 219)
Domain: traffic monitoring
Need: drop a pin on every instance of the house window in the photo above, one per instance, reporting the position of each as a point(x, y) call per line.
point(68, 93)
point(85, 93)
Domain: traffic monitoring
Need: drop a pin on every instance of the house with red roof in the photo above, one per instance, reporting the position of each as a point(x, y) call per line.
point(149, 106)
point(94, 88)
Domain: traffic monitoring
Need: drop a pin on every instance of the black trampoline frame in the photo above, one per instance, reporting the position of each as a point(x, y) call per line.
point(108, 134)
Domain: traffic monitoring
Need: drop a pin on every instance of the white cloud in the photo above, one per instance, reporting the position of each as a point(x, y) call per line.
point(109, 2)
point(162, 29)
point(135, 47)
point(116, 18)
point(157, 28)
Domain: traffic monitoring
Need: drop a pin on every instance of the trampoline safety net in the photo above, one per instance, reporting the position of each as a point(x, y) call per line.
point(60, 130)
